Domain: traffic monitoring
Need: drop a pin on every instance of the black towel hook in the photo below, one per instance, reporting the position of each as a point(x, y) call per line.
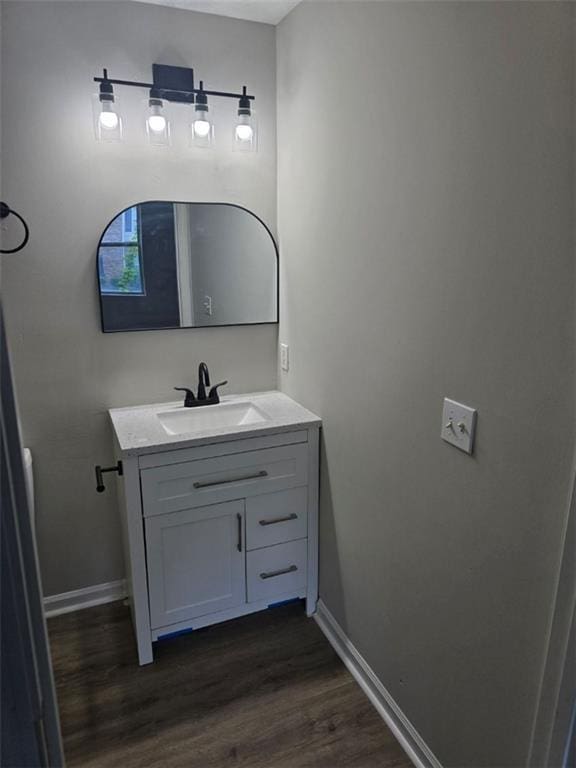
point(5, 211)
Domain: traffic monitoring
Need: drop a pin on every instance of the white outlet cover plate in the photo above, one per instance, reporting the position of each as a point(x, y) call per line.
point(458, 425)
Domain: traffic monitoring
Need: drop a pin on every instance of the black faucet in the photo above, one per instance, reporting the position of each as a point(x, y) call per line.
point(191, 401)
point(203, 380)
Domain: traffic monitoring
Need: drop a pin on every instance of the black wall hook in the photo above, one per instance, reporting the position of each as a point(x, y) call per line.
point(5, 211)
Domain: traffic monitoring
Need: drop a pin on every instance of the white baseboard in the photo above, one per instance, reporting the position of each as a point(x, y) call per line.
point(54, 605)
point(405, 733)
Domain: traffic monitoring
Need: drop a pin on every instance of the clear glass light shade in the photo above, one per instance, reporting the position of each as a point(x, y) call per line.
point(157, 123)
point(245, 137)
point(107, 119)
point(202, 129)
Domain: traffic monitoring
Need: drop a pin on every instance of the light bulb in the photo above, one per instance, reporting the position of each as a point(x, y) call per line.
point(202, 125)
point(108, 119)
point(201, 128)
point(157, 123)
point(245, 127)
point(244, 132)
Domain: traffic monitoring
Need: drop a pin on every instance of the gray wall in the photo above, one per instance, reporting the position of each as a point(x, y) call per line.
point(68, 186)
point(233, 260)
point(425, 222)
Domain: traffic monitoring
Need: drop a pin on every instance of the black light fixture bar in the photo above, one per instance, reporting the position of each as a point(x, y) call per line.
point(171, 94)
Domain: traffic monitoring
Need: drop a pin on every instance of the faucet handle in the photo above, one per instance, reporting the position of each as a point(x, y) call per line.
point(189, 399)
point(213, 395)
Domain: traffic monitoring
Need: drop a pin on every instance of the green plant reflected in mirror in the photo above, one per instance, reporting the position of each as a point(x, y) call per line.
point(165, 265)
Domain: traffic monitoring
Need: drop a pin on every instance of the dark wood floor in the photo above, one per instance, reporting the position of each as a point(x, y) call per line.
point(265, 691)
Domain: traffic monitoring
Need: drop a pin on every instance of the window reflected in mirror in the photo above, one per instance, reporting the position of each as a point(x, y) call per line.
point(119, 263)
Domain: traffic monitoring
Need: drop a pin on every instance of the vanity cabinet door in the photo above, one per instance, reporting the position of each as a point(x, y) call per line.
point(196, 562)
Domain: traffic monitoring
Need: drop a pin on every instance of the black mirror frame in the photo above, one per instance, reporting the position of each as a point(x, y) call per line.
point(189, 327)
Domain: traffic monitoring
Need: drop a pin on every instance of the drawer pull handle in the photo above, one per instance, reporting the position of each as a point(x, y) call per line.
point(239, 518)
point(292, 516)
point(272, 574)
point(212, 483)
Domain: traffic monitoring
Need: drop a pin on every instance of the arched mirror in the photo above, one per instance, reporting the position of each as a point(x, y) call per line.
point(186, 265)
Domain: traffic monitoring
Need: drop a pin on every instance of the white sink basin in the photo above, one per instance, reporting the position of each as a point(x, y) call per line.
point(182, 421)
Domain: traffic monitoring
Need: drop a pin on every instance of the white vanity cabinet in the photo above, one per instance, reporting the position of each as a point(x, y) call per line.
point(217, 528)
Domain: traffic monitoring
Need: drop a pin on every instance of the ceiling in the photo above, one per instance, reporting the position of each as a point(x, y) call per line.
point(265, 11)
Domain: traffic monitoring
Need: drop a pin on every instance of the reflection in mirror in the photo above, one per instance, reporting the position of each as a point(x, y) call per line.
point(186, 265)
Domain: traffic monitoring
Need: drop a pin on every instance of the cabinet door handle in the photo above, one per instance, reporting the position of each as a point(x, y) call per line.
point(211, 483)
point(239, 518)
point(272, 574)
point(292, 516)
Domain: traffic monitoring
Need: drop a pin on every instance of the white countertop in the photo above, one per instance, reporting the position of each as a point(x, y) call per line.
point(139, 430)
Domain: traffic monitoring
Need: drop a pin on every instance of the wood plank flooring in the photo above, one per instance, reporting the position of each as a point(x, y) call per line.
point(265, 691)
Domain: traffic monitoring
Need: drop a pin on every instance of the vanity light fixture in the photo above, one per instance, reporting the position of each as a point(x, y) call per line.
point(172, 84)
point(202, 126)
point(107, 119)
point(245, 133)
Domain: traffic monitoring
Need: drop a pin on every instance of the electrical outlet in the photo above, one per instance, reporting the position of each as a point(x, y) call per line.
point(207, 304)
point(458, 425)
point(284, 357)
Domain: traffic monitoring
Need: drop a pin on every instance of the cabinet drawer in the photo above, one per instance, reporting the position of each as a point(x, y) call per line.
point(273, 518)
point(210, 481)
point(276, 570)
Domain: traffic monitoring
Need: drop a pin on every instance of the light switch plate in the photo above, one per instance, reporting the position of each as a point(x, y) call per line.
point(284, 357)
point(458, 425)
